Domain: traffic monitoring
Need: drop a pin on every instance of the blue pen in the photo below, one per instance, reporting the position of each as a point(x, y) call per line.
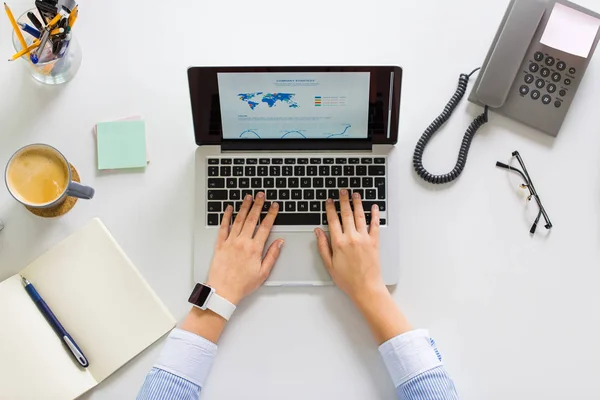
point(55, 324)
point(31, 30)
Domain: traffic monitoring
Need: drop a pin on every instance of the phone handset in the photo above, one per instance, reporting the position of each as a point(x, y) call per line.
point(500, 70)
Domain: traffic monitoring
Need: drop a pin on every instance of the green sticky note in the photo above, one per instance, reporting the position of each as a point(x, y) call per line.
point(121, 144)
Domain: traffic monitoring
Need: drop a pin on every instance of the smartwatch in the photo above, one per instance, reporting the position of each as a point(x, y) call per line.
point(204, 297)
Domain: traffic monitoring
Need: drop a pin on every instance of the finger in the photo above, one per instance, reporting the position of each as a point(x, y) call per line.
point(324, 248)
point(359, 213)
point(253, 215)
point(271, 256)
point(224, 229)
point(238, 224)
point(332, 219)
point(374, 231)
point(347, 216)
point(265, 227)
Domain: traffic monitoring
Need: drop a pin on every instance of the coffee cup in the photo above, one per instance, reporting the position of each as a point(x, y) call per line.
point(39, 176)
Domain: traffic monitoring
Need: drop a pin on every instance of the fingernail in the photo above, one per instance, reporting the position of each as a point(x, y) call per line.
point(356, 195)
point(275, 205)
point(329, 201)
point(316, 233)
point(375, 207)
point(344, 192)
point(260, 195)
point(229, 208)
point(280, 244)
point(248, 197)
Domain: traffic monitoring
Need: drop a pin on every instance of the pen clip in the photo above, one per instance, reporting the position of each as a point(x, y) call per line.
point(76, 352)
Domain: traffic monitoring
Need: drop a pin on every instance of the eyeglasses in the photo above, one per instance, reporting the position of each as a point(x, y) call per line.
point(528, 184)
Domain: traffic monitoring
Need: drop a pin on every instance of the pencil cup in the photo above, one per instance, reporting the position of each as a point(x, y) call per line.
point(52, 69)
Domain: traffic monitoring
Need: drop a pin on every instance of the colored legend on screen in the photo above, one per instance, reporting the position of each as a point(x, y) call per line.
point(330, 101)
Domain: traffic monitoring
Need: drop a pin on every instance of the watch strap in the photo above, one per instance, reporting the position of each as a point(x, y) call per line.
point(221, 306)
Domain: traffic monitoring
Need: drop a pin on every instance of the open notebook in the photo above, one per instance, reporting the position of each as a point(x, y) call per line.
point(102, 301)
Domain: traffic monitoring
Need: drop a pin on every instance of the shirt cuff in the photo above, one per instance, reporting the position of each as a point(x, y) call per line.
point(409, 355)
point(187, 355)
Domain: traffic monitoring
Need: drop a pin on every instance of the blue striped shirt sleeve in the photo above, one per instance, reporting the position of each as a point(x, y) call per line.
point(415, 366)
point(182, 368)
point(412, 359)
point(161, 385)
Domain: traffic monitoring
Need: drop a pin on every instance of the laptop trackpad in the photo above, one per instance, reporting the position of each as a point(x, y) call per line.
point(299, 262)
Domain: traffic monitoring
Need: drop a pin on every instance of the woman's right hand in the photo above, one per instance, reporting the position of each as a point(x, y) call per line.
point(353, 257)
point(353, 263)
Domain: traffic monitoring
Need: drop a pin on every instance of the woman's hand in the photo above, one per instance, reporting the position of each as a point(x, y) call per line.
point(238, 267)
point(353, 263)
point(353, 257)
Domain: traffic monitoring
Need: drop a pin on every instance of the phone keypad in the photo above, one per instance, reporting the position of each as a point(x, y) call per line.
point(545, 76)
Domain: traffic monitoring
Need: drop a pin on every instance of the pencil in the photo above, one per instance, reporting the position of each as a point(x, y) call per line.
point(54, 21)
point(73, 17)
point(23, 52)
point(11, 17)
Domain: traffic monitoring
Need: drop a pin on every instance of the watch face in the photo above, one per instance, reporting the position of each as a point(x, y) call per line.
point(200, 294)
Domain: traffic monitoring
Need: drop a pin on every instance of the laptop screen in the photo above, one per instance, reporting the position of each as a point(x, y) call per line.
point(294, 105)
point(295, 108)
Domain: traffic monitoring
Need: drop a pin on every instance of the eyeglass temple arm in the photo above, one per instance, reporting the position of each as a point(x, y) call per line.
point(535, 223)
point(508, 167)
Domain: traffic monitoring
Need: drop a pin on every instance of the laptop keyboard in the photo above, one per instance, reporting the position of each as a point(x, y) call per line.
point(300, 185)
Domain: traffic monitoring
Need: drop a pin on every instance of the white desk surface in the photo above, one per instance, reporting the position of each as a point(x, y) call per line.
point(514, 316)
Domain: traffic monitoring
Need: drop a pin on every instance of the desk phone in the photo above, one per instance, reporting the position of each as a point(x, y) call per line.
point(531, 73)
point(525, 79)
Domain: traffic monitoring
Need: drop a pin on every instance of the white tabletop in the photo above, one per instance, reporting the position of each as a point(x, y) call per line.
point(515, 316)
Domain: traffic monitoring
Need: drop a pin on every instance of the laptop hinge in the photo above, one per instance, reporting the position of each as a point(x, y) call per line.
point(295, 145)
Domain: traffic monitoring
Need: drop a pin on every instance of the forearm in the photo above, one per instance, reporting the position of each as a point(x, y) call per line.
point(204, 323)
point(411, 357)
point(381, 313)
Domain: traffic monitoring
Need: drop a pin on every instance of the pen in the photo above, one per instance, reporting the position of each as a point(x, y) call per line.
point(46, 10)
point(55, 324)
point(43, 42)
point(30, 29)
point(57, 31)
point(20, 54)
point(35, 21)
point(15, 26)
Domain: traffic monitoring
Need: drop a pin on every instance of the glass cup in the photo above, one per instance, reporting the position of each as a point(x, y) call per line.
point(51, 70)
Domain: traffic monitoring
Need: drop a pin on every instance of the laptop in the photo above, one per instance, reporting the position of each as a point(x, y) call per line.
point(299, 134)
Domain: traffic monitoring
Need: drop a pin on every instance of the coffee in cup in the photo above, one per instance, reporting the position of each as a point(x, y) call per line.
point(39, 176)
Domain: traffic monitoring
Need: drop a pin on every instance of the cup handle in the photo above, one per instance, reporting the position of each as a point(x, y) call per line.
point(80, 191)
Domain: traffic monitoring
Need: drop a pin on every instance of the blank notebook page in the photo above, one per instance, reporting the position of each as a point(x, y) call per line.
point(100, 298)
point(33, 362)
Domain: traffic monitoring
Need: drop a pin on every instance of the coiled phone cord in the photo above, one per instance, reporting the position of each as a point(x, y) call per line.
point(463, 81)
